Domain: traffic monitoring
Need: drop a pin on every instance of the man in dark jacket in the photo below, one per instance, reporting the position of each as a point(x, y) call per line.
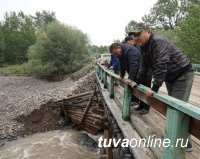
point(146, 81)
point(129, 57)
point(129, 40)
point(167, 63)
point(114, 64)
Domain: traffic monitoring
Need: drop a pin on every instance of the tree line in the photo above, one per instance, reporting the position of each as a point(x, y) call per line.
point(46, 46)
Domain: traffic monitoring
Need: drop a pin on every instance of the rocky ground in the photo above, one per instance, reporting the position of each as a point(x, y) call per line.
point(24, 101)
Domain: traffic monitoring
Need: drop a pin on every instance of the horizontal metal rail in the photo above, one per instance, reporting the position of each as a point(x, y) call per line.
point(182, 118)
point(196, 68)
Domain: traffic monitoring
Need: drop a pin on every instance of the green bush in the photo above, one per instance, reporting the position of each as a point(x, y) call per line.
point(59, 49)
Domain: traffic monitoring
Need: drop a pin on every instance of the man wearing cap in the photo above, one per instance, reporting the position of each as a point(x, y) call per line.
point(168, 64)
point(142, 107)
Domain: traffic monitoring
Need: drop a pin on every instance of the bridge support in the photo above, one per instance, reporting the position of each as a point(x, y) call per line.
point(177, 127)
point(126, 103)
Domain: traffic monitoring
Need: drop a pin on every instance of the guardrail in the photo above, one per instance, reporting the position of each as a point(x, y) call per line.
point(196, 67)
point(181, 118)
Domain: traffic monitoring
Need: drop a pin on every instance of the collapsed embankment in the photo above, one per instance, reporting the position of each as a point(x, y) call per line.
point(25, 102)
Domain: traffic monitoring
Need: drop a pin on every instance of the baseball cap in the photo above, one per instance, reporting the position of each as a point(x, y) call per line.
point(138, 27)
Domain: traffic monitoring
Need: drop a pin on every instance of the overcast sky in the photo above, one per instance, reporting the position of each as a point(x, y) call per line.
point(102, 20)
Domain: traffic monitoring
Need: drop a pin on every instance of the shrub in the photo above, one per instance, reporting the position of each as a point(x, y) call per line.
point(59, 49)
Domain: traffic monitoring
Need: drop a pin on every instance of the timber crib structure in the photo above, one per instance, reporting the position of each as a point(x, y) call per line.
point(179, 118)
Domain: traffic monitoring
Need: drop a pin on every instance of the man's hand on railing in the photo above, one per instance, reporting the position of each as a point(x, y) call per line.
point(133, 85)
point(119, 78)
point(127, 81)
point(149, 93)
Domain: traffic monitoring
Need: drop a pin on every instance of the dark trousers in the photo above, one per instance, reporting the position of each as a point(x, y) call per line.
point(181, 88)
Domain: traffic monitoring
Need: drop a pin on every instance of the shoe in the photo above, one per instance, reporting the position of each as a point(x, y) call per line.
point(138, 108)
point(144, 111)
point(189, 147)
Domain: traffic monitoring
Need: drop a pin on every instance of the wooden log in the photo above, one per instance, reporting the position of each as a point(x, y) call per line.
point(108, 136)
point(90, 131)
point(86, 125)
point(76, 96)
point(90, 120)
point(88, 106)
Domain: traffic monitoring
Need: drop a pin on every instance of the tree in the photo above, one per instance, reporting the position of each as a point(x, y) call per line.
point(167, 14)
point(189, 33)
point(130, 26)
point(2, 46)
point(59, 50)
point(17, 34)
point(41, 19)
point(98, 49)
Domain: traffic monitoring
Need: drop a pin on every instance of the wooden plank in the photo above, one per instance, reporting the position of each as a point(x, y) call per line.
point(179, 106)
point(87, 107)
point(127, 129)
point(75, 96)
point(182, 106)
point(151, 123)
point(108, 136)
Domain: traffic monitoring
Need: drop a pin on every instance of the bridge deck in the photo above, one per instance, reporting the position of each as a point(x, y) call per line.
point(168, 116)
point(195, 93)
point(156, 122)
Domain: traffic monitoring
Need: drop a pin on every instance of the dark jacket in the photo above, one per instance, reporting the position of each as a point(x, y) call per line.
point(129, 61)
point(114, 61)
point(165, 60)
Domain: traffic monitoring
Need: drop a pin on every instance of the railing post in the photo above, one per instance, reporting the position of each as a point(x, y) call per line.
point(105, 79)
point(126, 103)
point(102, 75)
point(177, 127)
point(111, 88)
point(98, 69)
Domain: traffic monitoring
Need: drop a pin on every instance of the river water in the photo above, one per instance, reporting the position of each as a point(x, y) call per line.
point(51, 145)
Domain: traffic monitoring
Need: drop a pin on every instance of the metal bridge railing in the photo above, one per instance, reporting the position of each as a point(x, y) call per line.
point(196, 68)
point(181, 118)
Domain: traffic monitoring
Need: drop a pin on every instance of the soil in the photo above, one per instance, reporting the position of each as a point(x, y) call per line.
point(26, 102)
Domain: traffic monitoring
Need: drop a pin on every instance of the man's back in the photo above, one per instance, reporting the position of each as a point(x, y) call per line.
point(166, 60)
point(130, 61)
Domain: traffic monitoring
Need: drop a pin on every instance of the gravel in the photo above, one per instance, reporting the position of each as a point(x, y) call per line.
point(20, 95)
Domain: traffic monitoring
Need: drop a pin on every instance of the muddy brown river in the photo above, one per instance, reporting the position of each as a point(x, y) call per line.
point(51, 145)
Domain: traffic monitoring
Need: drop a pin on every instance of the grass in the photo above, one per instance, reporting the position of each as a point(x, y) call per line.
point(19, 69)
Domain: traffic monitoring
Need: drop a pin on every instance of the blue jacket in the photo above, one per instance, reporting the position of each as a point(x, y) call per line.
point(130, 61)
point(114, 61)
